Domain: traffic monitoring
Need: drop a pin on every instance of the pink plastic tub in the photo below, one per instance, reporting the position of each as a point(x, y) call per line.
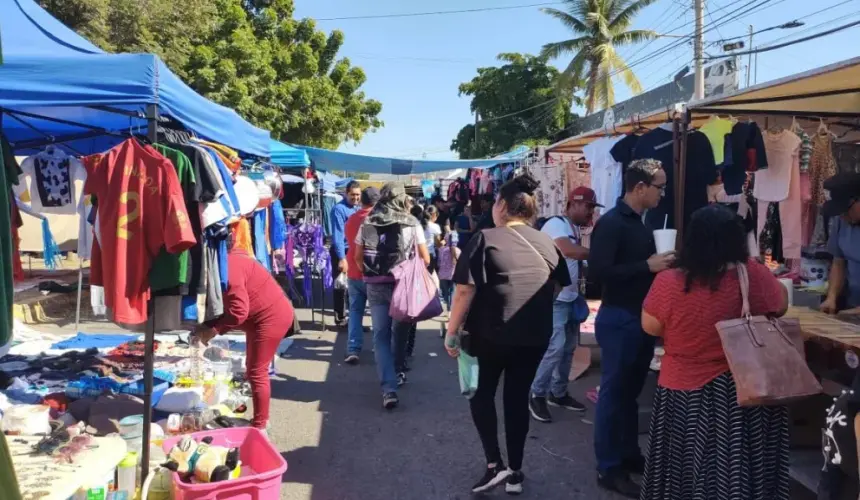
point(262, 468)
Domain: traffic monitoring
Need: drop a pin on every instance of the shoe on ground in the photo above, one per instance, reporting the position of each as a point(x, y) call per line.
point(514, 484)
point(494, 476)
point(401, 379)
point(390, 400)
point(539, 410)
point(341, 323)
point(366, 329)
point(351, 359)
point(566, 402)
point(634, 465)
point(618, 480)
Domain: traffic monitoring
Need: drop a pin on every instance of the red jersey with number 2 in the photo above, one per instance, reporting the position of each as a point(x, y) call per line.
point(140, 209)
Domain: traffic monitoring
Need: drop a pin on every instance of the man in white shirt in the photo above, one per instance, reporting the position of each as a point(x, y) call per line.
point(569, 309)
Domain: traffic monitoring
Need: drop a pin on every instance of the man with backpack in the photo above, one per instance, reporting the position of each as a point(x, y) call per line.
point(569, 310)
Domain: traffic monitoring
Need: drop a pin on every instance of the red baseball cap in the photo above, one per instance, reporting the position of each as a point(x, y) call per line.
point(585, 194)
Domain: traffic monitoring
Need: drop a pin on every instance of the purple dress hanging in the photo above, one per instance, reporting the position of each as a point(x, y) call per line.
point(308, 240)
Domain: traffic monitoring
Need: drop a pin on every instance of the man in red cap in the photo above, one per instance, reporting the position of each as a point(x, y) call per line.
point(568, 311)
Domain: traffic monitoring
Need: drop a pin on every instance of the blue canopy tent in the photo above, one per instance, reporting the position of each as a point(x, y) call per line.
point(56, 86)
point(324, 159)
point(284, 155)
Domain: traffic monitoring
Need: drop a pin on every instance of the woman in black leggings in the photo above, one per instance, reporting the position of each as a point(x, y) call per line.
point(506, 281)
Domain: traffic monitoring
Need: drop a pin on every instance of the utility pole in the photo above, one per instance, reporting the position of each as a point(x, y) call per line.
point(698, 50)
point(749, 61)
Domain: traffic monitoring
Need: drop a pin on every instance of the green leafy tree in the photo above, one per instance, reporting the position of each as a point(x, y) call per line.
point(517, 104)
point(600, 27)
point(280, 73)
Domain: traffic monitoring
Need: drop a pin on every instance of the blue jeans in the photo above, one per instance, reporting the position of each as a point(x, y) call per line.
point(389, 336)
point(554, 370)
point(357, 302)
point(626, 352)
point(446, 289)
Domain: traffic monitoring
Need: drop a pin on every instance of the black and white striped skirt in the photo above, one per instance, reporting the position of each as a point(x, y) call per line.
point(703, 446)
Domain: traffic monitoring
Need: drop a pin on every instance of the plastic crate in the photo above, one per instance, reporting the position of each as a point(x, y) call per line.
point(262, 468)
point(136, 389)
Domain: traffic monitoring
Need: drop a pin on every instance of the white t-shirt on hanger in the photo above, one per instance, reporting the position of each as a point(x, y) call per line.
point(605, 171)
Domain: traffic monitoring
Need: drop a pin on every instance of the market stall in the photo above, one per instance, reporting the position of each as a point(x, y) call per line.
point(141, 139)
point(765, 151)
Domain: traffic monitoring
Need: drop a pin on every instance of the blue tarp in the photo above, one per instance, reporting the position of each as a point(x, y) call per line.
point(284, 155)
point(51, 71)
point(324, 159)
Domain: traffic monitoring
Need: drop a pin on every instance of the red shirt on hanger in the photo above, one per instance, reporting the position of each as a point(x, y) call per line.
point(141, 208)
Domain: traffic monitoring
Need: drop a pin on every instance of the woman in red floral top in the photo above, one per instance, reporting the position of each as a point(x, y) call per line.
point(703, 445)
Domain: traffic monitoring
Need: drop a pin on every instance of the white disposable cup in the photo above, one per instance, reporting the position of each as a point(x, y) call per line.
point(664, 239)
point(789, 287)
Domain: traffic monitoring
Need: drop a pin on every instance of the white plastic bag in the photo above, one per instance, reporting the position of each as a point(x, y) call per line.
point(27, 420)
point(340, 283)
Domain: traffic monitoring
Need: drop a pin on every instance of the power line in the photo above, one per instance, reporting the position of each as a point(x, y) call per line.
point(804, 16)
point(438, 12)
point(793, 42)
point(811, 28)
point(496, 118)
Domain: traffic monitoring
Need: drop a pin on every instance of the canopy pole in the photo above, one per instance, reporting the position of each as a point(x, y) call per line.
point(149, 355)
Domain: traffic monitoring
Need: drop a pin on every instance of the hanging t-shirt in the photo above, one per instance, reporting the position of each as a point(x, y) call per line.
point(622, 151)
point(171, 270)
point(700, 173)
point(716, 131)
point(772, 184)
point(140, 210)
point(605, 171)
point(52, 176)
point(9, 172)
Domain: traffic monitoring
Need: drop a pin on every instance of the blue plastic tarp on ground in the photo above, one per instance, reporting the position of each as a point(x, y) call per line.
point(51, 71)
point(324, 159)
point(284, 155)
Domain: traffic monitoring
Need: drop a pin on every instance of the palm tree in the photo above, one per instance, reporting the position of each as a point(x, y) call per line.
point(600, 27)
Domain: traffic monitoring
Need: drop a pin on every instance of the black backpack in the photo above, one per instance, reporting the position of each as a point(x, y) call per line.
point(541, 222)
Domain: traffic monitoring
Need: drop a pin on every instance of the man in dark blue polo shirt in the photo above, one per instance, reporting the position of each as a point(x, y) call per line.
point(623, 260)
point(843, 204)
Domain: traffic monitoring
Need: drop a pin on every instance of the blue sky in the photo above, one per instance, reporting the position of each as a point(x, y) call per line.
point(415, 65)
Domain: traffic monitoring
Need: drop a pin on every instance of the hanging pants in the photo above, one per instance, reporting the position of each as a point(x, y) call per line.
point(626, 353)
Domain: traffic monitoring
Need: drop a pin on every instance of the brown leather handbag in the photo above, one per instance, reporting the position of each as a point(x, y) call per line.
point(765, 356)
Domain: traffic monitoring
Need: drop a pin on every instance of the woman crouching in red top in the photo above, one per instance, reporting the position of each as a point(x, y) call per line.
point(702, 444)
point(256, 304)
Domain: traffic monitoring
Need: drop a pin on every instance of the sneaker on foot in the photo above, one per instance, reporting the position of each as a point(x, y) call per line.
point(494, 476)
point(390, 400)
point(351, 359)
point(401, 379)
point(618, 480)
point(566, 402)
point(514, 484)
point(539, 410)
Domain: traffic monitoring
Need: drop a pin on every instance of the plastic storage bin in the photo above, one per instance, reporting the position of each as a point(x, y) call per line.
point(262, 468)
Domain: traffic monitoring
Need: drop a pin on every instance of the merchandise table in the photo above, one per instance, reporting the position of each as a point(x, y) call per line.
point(40, 473)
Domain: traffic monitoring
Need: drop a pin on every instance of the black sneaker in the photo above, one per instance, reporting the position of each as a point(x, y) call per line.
point(390, 400)
point(494, 476)
point(634, 465)
point(514, 485)
point(566, 402)
point(351, 359)
point(539, 410)
point(618, 480)
point(401, 379)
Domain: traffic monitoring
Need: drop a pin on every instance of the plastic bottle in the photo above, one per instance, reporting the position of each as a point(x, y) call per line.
point(126, 475)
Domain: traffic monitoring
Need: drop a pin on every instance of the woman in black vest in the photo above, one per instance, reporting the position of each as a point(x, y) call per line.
point(506, 282)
